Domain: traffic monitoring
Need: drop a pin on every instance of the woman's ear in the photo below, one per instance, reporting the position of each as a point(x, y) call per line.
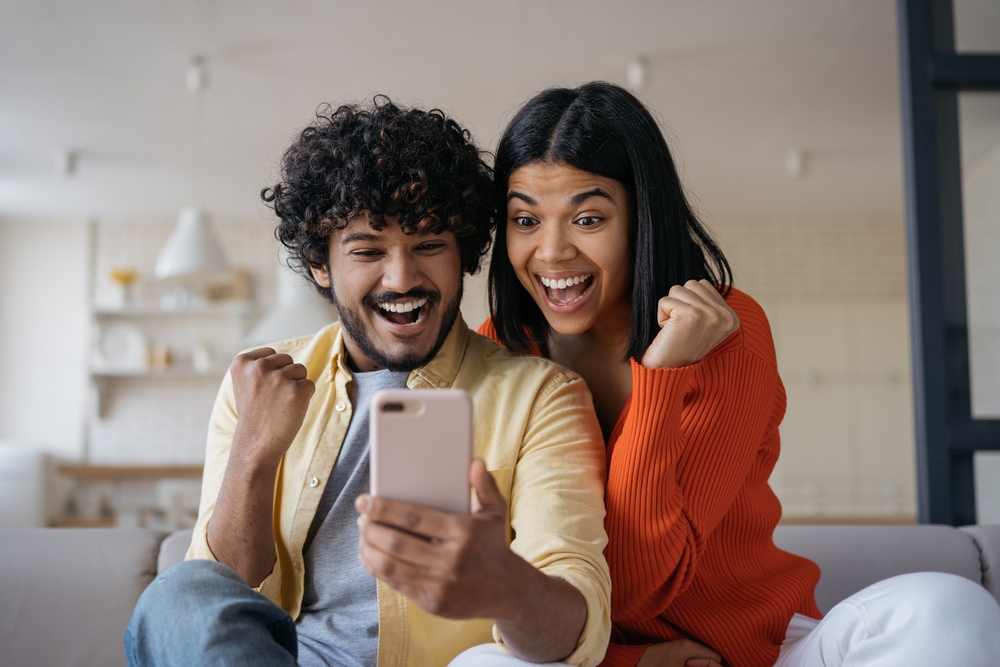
point(321, 275)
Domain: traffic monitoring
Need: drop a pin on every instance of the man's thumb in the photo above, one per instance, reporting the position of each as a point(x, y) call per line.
point(488, 496)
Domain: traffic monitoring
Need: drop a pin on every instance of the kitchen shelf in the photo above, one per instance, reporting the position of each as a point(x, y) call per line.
point(153, 310)
point(84, 471)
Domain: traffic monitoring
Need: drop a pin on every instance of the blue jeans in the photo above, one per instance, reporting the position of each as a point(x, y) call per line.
point(202, 613)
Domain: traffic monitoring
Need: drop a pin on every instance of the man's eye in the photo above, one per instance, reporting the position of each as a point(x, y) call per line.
point(524, 223)
point(430, 247)
point(366, 253)
point(588, 221)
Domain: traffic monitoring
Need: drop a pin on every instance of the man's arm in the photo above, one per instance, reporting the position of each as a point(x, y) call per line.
point(272, 394)
point(463, 568)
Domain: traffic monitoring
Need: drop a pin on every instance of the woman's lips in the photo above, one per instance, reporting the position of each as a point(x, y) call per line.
point(565, 293)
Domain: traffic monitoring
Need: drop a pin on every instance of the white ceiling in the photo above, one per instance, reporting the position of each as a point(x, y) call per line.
point(736, 83)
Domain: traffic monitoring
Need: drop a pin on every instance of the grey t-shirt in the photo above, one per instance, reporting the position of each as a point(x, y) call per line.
point(339, 620)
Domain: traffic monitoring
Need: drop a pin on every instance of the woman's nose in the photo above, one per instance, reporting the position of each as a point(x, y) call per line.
point(554, 245)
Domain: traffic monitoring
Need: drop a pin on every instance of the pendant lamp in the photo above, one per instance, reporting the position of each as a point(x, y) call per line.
point(192, 248)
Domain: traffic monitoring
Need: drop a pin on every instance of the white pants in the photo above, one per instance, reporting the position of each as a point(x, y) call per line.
point(926, 618)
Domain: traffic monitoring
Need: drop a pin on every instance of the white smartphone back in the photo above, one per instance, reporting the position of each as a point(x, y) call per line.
point(421, 447)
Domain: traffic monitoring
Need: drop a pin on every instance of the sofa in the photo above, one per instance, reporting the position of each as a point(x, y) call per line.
point(66, 594)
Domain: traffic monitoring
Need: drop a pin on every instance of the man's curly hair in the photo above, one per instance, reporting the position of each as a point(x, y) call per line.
point(418, 167)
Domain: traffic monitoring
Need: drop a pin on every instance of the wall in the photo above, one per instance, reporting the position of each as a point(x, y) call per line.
point(981, 194)
point(43, 334)
point(833, 288)
point(835, 293)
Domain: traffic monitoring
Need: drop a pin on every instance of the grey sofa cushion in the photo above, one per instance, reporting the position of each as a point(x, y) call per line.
point(854, 557)
point(987, 538)
point(67, 594)
point(173, 549)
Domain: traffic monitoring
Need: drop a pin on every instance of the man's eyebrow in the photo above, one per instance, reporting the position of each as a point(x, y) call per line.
point(360, 236)
point(596, 192)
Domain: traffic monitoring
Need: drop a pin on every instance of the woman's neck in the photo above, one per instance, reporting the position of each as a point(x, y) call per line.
point(597, 355)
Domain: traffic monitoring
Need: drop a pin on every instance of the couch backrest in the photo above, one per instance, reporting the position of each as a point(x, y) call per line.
point(854, 557)
point(66, 594)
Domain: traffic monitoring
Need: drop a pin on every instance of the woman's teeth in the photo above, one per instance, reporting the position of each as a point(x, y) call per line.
point(563, 283)
point(402, 307)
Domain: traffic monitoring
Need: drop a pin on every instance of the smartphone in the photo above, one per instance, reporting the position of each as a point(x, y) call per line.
point(421, 447)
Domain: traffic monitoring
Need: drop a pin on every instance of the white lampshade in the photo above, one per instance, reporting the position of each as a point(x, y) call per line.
point(191, 248)
point(299, 310)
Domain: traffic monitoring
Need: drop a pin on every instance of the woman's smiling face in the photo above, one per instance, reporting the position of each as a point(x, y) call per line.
point(569, 239)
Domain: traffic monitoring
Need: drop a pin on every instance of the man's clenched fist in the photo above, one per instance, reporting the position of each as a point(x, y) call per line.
point(272, 394)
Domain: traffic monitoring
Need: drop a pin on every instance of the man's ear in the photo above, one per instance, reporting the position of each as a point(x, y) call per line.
point(321, 275)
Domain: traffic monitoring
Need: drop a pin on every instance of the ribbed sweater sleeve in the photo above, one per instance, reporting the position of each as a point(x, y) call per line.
point(656, 531)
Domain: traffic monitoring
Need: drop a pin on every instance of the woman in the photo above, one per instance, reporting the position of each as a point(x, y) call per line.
point(602, 266)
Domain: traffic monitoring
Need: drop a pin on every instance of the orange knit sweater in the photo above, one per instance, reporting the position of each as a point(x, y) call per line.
point(690, 514)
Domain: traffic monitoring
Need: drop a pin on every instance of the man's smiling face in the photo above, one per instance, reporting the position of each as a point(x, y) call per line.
point(397, 294)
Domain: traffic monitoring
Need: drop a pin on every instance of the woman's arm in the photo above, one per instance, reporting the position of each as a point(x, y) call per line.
point(691, 436)
point(659, 514)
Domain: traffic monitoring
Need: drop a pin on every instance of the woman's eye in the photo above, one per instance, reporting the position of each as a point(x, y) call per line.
point(525, 222)
point(588, 221)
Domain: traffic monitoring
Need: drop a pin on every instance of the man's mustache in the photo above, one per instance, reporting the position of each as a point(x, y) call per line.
point(372, 300)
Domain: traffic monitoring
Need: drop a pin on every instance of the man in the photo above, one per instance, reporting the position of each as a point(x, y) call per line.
point(385, 209)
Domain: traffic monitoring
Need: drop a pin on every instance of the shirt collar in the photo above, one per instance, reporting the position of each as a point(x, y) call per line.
point(438, 373)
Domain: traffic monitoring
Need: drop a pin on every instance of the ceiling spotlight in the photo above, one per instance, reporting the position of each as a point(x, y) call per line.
point(196, 75)
point(795, 163)
point(65, 162)
point(637, 72)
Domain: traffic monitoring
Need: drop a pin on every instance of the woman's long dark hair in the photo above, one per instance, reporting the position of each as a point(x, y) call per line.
point(603, 129)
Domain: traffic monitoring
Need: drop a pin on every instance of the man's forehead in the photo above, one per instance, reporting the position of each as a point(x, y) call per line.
point(365, 228)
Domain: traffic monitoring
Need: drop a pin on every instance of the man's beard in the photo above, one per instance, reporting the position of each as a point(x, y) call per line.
point(355, 328)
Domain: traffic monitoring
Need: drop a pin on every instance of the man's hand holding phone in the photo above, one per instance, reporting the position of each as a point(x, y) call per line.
point(452, 565)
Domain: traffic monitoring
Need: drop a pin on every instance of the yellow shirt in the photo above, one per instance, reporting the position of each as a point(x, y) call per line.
point(534, 427)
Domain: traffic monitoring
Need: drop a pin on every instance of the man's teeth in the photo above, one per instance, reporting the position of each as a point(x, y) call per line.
point(403, 307)
point(563, 283)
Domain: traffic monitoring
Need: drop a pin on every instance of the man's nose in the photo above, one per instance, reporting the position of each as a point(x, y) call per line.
point(554, 244)
point(401, 275)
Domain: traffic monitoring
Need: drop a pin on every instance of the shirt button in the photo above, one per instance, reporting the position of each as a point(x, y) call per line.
point(442, 384)
point(340, 407)
point(313, 482)
point(296, 565)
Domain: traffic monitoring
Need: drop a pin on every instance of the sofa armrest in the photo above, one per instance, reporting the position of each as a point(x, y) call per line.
point(851, 558)
point(173, 549)
point(987, 538)
point(68, 593)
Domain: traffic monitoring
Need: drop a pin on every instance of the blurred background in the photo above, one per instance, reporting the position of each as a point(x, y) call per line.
point(136, 257)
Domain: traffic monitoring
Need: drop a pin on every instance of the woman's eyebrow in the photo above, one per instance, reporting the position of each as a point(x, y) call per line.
point(513, 194)
point(596, 192)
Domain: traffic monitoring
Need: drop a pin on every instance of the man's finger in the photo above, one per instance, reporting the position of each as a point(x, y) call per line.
point(259, 353)
point(488, 497)
point(406, 547)
point(398, 574)
point(406, 516)
point(295, 371)
point(279, 361)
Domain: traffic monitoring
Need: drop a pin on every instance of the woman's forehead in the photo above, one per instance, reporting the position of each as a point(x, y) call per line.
point(560, 181)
